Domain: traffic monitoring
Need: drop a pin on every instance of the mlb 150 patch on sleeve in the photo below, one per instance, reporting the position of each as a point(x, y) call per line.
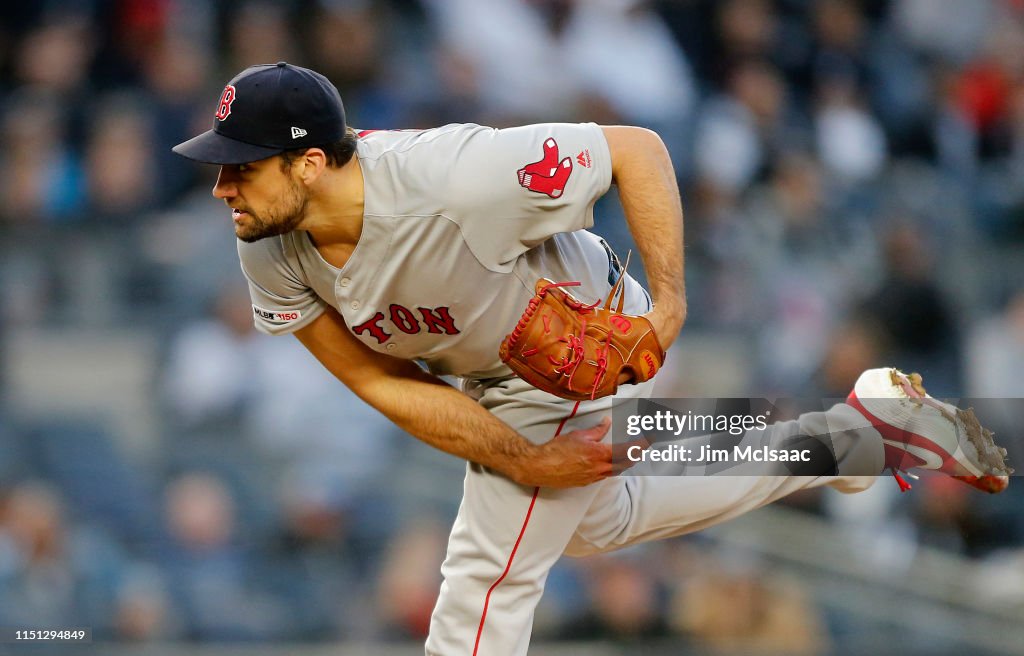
point(274, 316)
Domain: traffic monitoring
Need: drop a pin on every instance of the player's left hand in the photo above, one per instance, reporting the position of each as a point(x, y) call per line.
point(577, 350)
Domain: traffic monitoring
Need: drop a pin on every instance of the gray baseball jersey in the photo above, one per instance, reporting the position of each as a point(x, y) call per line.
point(455, 233)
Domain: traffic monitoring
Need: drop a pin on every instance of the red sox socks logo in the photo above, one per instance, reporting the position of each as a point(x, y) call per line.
point(224, 106)
point(549, 175)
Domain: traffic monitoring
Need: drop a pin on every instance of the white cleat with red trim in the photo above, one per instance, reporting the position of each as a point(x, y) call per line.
point(919, 431)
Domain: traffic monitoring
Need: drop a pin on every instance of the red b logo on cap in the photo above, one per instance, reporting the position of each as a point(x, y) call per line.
point(226, 98)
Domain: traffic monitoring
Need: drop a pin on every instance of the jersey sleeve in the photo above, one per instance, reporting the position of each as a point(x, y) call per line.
point(511, 189)
point(281, 301)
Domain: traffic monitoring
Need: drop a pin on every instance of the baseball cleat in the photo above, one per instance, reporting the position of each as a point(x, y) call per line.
point(920, 431)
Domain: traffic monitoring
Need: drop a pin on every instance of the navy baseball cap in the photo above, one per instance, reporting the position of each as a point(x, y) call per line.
point(267, 109)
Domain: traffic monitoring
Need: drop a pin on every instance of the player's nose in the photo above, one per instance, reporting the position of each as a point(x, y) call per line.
point(225, 187)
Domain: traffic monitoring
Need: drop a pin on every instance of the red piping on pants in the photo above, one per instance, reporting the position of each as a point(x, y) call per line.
point(522, 531)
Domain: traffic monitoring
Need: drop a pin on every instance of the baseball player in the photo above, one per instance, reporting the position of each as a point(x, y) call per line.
point(399, 256)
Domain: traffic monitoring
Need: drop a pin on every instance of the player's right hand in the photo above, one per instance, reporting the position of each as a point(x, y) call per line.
point(572, 459)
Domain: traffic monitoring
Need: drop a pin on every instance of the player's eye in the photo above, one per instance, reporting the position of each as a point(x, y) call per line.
point(242, 168)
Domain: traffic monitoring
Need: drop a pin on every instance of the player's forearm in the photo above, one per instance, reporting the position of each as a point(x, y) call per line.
point(419, 403)
point(649, 194)
point(447, 419)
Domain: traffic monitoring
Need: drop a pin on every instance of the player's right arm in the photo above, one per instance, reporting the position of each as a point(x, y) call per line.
point(445, 418)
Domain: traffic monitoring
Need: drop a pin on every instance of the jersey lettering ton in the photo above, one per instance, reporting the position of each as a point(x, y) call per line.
point(459, 222)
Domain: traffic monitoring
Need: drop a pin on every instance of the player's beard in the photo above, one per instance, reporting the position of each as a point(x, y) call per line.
point(278, 220)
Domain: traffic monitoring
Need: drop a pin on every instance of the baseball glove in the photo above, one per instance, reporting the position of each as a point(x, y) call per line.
point(577, 351)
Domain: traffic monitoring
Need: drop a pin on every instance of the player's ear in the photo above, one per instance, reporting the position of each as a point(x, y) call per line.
point(311, 164)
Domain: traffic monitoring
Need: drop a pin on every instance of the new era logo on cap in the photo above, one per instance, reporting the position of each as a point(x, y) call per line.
point(266, 104)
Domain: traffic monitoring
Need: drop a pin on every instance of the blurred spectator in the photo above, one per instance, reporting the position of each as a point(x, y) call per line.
point(209, 375)
point(942, 513)
point(624, 57)
point(745, 29)
point(144, 611)
point(212, 576)
point(41, 179)
point(410, 579)
point(736, 607)
point(625, 602)
point(188, 252)
point(742, 30)
point(119, 161)
point(347, 39)
point(974, 118)
point(311, 564)
point(719, 271)
point(926, 25)
point(994, 356)
point(354, 43)
point(910, 307)
point(232, 385)
point(841, 43)
point(808, 261)
point(983, 87)
point(506, 43)
point(258, 32)
point(740, 131)
point(132, 29)
point(850, 142)
point(51, 573)
point(55, 56)
point(175, 72)
point(854, 346)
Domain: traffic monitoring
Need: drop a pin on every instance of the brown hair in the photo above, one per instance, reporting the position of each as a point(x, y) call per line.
point(338, 152)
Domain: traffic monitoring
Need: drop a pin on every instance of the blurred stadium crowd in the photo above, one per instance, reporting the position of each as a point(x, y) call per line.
point(852, 177)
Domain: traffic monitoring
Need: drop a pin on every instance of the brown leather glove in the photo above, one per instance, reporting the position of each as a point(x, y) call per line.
point(577, 351)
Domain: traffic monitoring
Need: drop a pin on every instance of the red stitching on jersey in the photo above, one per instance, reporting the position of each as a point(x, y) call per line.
point(522, 531)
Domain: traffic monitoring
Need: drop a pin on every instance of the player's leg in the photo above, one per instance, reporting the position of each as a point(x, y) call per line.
point(653, 502)
point(887, 422)
point(504, 541)
point(507, 536)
